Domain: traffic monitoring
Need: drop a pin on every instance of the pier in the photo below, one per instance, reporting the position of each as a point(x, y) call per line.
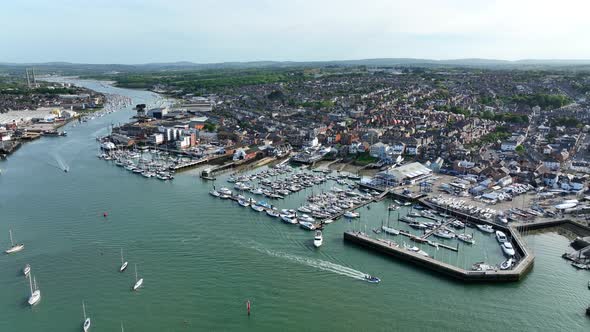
point(518, 272)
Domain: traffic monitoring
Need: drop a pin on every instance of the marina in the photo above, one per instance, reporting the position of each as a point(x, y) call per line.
point(216, 251)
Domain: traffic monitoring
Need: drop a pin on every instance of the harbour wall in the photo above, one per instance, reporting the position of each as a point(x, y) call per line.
point(513, 275)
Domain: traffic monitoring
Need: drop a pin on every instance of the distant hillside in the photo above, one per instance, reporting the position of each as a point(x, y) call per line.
point(66, 68)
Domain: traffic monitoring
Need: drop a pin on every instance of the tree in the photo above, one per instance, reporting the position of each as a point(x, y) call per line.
point(520, 149)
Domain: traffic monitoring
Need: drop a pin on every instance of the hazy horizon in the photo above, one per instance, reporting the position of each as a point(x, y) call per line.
point(207, 31)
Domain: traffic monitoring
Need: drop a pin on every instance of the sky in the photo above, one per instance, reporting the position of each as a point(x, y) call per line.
point(210, 31)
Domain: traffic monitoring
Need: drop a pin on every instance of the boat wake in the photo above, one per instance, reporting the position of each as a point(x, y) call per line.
point(315, 263)
point(61, 163)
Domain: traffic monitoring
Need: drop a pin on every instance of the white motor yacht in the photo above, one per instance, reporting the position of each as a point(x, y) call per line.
point(318, 239)
point(501, 237)
point(467, 238)
point(507, 248)
point(485, 228)
point(351, 214)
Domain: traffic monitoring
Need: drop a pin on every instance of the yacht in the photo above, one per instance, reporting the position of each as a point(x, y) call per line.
point(14, 248)
point(507, 248)
point(467, 238)
point(304, 209)
point(351, 214)
point(307, 225)
point(214, 193)
point(485, 228)
point(123, 262)
point(501, 237)
point(86, 325)
point(305, 218)
point(418, 225)
point(27, 270)
point(272, 213)
point(138, 282)
point(289, 220)
point(318, 239)
point(35, 293)
point(507, 264)
point(257, 208)
point(389, 230)
point(257, 191)
point(444, 234)
point(243, 203)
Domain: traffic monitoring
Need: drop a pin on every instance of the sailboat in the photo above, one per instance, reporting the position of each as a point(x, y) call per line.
point(123, 263)
point(14, 247)
point(86, 325)
point(138, 282)
point(35, 294)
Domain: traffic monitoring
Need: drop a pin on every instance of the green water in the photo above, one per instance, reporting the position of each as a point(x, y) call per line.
point(203, 257)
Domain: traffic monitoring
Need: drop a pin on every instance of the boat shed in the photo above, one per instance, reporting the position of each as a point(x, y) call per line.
point(406, 174)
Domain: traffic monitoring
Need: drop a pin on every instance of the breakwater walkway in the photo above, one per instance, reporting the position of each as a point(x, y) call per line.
point(515, 274)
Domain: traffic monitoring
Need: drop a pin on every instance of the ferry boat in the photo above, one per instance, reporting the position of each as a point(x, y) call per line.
point(318, 239)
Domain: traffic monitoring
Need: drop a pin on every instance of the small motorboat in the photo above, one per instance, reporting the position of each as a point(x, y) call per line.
point(214, 193)
point(318, 239)
point(418, 225)
point(243, 203)
point(371, 279)
point(507, 264)
point(27, 270)
point(486, 228)
point(272, 213)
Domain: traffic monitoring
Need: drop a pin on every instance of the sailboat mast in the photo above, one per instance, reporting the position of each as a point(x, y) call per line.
point(31, 283)
point(121, 256)
point(35, 283)
point(11, 241)
point(84, 310)
point(135, 272)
